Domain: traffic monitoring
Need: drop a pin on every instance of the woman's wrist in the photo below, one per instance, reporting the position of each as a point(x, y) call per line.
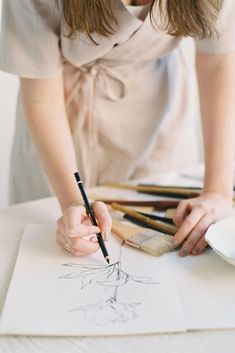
point(69, 201)
point(225, 192)
point(220, 182)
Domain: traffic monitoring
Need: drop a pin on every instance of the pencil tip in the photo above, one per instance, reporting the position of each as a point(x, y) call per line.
point(108, 260)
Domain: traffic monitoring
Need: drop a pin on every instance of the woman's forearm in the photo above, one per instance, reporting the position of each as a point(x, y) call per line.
point(216, 78)
point(44, 109)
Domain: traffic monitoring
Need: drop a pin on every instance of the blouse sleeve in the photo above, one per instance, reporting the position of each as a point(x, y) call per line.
point(226, 30)
point(30, 38)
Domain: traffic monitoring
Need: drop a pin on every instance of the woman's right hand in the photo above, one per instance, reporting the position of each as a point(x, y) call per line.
point(75, 232)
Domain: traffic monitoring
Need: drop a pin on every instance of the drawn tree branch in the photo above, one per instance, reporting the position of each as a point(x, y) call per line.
point(113, 277)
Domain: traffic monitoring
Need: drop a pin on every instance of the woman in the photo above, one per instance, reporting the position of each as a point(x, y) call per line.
point(106, 88)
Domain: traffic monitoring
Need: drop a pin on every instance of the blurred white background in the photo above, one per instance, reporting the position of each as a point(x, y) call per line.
point(8, 92)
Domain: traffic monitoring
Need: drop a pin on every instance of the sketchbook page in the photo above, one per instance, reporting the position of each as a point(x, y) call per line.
point(206, 286)
point(54, 293)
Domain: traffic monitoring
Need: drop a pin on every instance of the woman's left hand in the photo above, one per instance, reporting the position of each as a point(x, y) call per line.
point(194, 216)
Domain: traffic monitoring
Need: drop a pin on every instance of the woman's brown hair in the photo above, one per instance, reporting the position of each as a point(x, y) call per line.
point(195, 18)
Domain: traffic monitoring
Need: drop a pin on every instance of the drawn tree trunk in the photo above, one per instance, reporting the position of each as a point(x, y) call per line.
point(111, 277)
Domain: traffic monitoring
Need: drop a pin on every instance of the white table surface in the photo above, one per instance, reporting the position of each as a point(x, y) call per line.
point(12, 222)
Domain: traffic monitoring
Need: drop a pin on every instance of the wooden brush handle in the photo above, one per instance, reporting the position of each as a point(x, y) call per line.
point(125, 231)
point(160, 226)
point(159, 205)
point(161, 190)
point(169, 187)
point(181, 192)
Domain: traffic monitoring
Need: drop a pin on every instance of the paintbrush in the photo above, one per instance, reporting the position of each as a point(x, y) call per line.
point(146, 221)
point(167, 220)
point(158, 205)
point(179, 192)
point(150, 241)
point(141, 223)
point(169, 191)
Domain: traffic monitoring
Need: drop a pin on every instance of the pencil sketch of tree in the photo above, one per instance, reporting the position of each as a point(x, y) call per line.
point(109, 311)
point(111, 277)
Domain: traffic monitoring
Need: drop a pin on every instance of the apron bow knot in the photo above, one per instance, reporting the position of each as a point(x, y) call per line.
point(80, 102)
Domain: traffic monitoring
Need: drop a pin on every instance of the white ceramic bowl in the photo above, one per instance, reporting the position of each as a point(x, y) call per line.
point(221, 237)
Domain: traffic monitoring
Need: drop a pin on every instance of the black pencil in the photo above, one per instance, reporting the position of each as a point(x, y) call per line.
point(92, 217)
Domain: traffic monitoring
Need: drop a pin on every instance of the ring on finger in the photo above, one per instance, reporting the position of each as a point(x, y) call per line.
point(67, 246)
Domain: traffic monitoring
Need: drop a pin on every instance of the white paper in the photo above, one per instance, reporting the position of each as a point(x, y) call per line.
point(54, 293)
point(206, 287)
point(221, 237)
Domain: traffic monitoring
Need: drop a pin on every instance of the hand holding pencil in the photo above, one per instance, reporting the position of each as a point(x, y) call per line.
point(91, 214)
point(75, 231)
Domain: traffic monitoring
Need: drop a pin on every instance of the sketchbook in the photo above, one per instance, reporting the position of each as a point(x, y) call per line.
point(54, 293)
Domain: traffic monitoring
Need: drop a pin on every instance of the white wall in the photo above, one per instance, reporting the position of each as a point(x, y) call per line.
point(8, 92)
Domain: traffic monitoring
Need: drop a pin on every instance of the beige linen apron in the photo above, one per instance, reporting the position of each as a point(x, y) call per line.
point(131, 111)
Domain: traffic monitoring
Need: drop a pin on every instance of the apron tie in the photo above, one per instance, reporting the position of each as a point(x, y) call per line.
point(80, 105)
